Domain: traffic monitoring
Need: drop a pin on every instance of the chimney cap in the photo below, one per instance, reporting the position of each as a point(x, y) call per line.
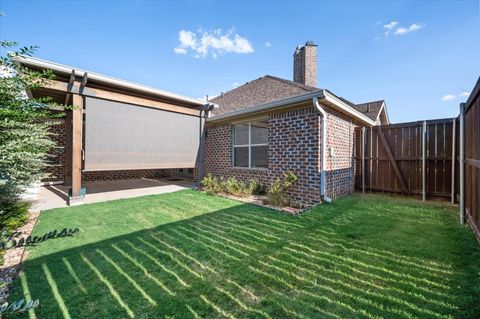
point(310, 43)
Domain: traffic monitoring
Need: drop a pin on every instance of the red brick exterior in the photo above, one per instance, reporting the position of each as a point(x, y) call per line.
point(293, 144)
point(57, 157)
point(340, 167)
point(126, 174)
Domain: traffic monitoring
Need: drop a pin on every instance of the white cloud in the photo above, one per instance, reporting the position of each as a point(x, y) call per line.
point(411, 28)
point(180, 50)
point(394, 27)
point(390, 26)
point(448, 97)
point(217, 42)
point(235, 84)
point(268, 44)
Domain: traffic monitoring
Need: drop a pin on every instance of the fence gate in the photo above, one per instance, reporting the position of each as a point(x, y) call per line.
point(410, 158)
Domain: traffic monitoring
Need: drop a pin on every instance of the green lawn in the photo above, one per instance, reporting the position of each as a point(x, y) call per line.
point(192, 255)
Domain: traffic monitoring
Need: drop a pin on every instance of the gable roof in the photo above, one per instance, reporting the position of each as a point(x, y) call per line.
point(267, 89)
point(371, 109)
point(262, 90)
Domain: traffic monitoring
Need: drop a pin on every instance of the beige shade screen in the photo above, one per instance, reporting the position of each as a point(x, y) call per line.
point(120, 136)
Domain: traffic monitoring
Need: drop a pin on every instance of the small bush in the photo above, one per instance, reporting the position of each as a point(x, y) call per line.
point(277, 192)
point(13, 215)
point(256, 188)
point(235, 187)
point(212, 184)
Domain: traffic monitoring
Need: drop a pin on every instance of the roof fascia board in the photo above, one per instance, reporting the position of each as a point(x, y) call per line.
point(60, 68)
point(267, 106)
point(348, 109)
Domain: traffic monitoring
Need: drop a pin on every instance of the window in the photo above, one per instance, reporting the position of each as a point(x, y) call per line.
point(250, 145)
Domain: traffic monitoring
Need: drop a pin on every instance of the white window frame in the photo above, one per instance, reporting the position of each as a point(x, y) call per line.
point(249, 146)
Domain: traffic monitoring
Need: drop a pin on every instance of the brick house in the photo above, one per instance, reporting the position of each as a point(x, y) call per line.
point(271, 125)
point(122, 130)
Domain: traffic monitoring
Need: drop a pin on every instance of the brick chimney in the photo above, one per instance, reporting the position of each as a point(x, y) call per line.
point(305, 64)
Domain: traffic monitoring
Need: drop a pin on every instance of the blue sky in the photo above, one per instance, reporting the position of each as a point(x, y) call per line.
point(424, 66)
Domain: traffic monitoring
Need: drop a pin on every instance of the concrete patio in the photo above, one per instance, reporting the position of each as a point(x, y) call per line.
point(55, 196)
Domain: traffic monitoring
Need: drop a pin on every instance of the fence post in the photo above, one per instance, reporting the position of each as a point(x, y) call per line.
point(363, 159)
point(424, 161)
point(454, 160)
point(462, 163)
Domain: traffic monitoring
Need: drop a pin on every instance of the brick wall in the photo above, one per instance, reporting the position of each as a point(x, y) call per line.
point(340, 167)
point(57, 157)
point(125, 174)
point(293, 144)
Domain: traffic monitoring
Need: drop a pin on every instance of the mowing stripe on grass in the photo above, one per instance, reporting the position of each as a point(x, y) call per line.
point(242, 305)
point(173, 258)
point(409, 293)
point(241, 252)
point(72, 273)
point(179, 251)
point(234, 228)
point(26, 294)
point(145, 271)
point(217, 308)
point(209, 247)
point(426, 270)
point(248, 229)
point(368, 274)
point(382, 269)
point(110, 287)
point(56, 293)
point(130, 279)
point(199, 225)
point(337, 283)
point(159, 264)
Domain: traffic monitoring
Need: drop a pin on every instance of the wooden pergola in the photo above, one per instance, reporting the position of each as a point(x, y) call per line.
point(73, 86)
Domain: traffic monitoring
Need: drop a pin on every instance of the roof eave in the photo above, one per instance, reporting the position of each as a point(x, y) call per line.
point(322, 95)
point(64, 69)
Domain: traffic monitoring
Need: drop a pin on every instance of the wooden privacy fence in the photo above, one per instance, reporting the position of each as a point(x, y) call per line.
point(410, 158)
point(471, 203)
point(436, 158)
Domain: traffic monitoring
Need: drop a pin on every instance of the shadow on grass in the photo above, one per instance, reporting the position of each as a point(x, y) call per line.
point(246, 262)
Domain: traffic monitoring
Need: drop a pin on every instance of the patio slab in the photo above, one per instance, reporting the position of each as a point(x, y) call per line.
point(55, 196)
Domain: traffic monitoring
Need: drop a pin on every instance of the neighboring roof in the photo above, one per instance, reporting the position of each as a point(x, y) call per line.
point(324, 96)
point(262, 90)
point(269, 88)
point(371, 109)
point(103, 79)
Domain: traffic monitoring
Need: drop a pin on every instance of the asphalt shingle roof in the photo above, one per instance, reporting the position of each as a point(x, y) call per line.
point(270, 88)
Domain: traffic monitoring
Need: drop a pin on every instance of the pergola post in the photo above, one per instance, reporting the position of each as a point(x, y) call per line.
point(76, 197)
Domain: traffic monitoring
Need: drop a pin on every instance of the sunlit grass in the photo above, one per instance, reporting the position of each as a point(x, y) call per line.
point(192, 255)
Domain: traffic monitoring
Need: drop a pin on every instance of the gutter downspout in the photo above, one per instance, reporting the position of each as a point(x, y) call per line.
point(323, 174)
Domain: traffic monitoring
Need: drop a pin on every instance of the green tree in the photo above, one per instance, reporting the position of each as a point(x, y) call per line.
point(24, 131)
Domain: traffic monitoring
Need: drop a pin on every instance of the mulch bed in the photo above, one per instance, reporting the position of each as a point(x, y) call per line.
point(260, 201)
point(13, 257)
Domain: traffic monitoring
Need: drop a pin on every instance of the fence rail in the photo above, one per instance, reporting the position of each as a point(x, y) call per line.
point(410, 158)
point(472, 159)
point(436, 158)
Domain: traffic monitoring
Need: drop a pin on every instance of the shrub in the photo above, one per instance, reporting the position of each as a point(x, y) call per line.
point(235, 187)
point(256, 188)
point(13, 215)
point(212, 184)
point(277, 192)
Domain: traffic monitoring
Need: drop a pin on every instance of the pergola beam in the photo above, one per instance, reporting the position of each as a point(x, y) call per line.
point(55, 85)
point(70, 84)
